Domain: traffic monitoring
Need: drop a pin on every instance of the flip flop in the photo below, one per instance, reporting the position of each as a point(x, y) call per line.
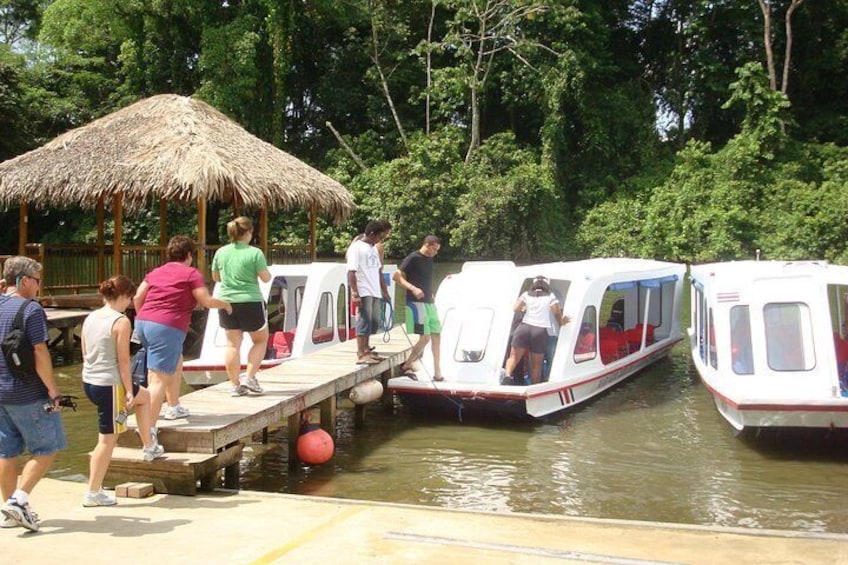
point(377, 357)
point(409, 373)
point(367, 361)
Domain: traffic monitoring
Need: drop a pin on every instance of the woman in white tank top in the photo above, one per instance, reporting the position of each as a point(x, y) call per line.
point(108, 384)
point(532, 334)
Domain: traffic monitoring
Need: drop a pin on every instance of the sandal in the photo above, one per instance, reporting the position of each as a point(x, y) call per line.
point(375, 356)
point(367, 360)
point(410, 374)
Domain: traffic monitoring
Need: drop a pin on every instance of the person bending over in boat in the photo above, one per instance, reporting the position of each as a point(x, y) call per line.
point(239, 267)
point(107, 383)
point(537, 304)
point(416, 276)
point(164, 302)
point(367, 286)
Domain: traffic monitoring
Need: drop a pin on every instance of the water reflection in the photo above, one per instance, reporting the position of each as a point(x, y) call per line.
point(652, 449)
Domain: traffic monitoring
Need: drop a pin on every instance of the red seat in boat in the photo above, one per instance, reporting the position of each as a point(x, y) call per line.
point(322, 335)
point(281, 344)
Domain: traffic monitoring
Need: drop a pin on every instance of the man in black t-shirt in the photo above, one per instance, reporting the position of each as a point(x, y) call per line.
point(416, 276)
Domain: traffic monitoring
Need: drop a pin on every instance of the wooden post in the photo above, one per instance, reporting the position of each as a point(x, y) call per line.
point(293, 431)
point(23, 221)
point(163, 227)
point(263, 230)
point(359, 416)
point(201, 236)
point(231, 472)
point(328, 416)
point(312, 213)
point(118, 214)
point(101, 255)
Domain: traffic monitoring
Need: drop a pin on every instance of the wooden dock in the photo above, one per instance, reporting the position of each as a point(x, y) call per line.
point(66, 321)
point(219, 421)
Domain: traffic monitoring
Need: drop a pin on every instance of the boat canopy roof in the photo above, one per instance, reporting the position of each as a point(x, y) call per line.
point(743, 273)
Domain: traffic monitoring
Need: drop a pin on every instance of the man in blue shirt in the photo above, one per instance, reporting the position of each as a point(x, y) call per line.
point(29, 403)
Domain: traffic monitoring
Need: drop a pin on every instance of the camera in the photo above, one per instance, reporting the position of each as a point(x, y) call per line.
point(65, 401)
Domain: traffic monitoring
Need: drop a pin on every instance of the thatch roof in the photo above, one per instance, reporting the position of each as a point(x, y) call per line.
point(169, 147)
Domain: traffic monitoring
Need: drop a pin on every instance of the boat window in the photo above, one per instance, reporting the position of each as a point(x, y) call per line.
point(322, 331)
point(789, 343)
point(298, 301)
point(837, 295)
point(277, 299)
point(586, 347)
point(741, 353)
point(712, 339)
point(341, 312)
point(474, 326)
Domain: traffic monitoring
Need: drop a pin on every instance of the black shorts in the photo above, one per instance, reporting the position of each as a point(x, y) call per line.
point(530, 337)
point(246, 316)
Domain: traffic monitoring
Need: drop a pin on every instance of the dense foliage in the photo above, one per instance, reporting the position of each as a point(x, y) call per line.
point(525, 129)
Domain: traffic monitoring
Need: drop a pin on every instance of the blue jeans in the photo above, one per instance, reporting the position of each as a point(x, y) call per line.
point(29, 426)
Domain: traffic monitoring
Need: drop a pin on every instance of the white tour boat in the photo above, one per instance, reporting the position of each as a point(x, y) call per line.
point(769, 341)
point(308, 308)
point(624, 316)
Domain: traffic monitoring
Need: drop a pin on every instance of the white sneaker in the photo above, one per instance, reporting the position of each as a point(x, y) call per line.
point(98, 499)
point(239, 390)
point(20, 515)
point(175, 412)
point(251, 384)
point(8, 523)
point(152, 452)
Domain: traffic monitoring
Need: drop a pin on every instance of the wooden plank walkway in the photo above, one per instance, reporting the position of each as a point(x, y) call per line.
point(219, 420)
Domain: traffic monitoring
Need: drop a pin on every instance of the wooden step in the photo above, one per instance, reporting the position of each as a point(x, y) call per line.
point(174, 472)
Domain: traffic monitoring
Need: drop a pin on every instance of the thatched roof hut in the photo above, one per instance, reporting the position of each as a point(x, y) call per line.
point(173, 148)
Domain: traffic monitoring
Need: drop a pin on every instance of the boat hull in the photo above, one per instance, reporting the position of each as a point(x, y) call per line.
point(765, 413)
point(535, 401)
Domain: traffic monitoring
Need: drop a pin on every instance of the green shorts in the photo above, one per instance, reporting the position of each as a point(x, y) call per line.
point(422, 318)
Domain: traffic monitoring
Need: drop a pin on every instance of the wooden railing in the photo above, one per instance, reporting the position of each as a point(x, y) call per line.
point(76, 268)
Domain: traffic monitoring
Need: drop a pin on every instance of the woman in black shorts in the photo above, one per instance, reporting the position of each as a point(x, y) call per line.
point(537, 304)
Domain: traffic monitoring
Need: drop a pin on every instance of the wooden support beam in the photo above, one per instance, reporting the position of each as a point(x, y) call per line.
point(293, 431)
point(312, 248)
point(359, 416)
point(163, 227)
point(263, 230)
point(23, 224)
point(231, 471)
point(101, 240)
point(328, 416)
point(201, 235)
point(118, 216)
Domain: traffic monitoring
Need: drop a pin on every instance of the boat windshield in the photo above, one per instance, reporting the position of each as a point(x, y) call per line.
point(472, 328)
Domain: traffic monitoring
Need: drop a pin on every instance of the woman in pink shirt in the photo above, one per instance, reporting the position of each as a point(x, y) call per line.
point(164, 302)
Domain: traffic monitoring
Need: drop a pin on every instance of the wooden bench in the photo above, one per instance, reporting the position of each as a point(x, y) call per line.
point(174, 472)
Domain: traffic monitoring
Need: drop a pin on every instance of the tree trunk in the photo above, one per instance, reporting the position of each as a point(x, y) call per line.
point(765, 7)
point(787, 57)
point(384, 83)
point(429, 68)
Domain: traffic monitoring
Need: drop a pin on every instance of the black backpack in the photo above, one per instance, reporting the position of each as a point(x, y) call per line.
point(17, 350)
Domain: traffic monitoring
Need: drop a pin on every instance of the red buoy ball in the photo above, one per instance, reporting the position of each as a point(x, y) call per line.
point(315, 447)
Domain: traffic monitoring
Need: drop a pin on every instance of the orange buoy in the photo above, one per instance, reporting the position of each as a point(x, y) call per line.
point(314, 446)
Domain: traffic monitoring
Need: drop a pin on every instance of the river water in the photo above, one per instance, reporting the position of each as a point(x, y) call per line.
point(653, 448)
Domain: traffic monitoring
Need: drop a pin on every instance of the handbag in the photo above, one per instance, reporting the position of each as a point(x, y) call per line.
point(138, 367)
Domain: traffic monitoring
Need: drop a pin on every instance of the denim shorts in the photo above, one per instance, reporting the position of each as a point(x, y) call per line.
point(28, 426)
point(368, 316)
point(164, 345)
